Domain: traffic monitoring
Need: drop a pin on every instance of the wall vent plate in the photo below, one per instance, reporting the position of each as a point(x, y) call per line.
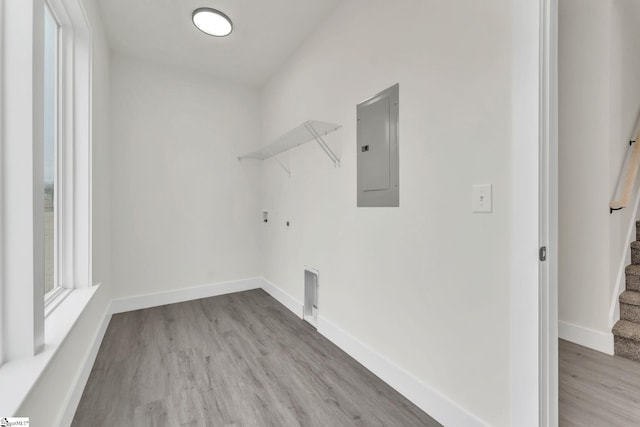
point(310, 309)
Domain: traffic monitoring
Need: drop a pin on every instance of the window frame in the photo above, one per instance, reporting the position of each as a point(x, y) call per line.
point(73, 163)
point(2, 293)
point(22, 302)
point(28, 341)
point(50, 297)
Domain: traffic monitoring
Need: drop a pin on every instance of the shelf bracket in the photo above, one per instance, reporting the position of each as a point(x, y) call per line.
point(323, 145)
point(286, 169)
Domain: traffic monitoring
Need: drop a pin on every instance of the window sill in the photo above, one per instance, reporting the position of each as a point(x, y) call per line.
point(19, 376)
point(53, 299)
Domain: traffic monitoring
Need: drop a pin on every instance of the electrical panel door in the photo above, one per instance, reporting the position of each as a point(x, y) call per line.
point(377, 156)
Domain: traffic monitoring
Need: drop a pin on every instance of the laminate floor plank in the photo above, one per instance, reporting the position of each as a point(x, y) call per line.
point(597, 390)
point(234, 360)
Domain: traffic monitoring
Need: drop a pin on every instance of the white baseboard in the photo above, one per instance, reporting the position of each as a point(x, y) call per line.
point(596, 340)
point(426, 398)
point(444, 410)
point(80, 381)
point(139, 302)
point(295, 306)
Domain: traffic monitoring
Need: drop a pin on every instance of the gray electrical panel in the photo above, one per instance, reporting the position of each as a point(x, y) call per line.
point(378, 164)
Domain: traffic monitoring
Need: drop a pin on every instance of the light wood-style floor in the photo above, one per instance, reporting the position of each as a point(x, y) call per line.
point(234, 360)
point(597, 390)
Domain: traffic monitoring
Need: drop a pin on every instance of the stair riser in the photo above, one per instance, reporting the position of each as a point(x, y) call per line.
point(630, 312)
point(627, 348)
point(635, 256)
point(632, 282)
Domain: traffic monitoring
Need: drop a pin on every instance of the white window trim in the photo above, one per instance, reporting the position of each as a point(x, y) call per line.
point(74, 146)
point(24, 373)
point(22, 86)
point(1, 189)
point(53, 299)
point(28, 342)
point(50, 296)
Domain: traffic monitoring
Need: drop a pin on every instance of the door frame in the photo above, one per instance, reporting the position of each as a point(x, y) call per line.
point(534, 378)
point(549, 214)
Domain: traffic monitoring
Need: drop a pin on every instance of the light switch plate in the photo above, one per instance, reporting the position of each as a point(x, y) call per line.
point(482, 199)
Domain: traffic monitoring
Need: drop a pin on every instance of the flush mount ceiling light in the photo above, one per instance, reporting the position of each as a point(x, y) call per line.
point(212, 22)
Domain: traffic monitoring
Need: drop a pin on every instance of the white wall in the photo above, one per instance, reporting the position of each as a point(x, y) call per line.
point(599, 100)
point(585, 191)
point(48, 397)
point(184, 210)
point(426, 284)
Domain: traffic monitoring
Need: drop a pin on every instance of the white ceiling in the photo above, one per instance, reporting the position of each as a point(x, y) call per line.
point(265, 33)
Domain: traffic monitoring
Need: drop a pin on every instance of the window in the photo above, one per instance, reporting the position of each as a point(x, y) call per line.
point(66, 102)
point(45, 190)
point(50, 151)
point(45, 157)
point(2, 37)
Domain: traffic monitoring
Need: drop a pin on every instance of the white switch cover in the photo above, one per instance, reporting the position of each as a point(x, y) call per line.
point(482, 200)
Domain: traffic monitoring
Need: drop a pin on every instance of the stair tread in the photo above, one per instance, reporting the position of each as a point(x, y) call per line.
point(630, 297)
point(626, 329)
point(632, 269)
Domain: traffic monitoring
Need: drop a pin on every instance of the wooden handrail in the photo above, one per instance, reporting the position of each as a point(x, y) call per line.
point(630, 178)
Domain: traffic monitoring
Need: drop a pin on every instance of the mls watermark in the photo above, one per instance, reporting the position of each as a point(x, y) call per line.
point(10, 422)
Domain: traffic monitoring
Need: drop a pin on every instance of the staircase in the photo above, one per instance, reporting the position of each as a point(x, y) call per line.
point(627, 330)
